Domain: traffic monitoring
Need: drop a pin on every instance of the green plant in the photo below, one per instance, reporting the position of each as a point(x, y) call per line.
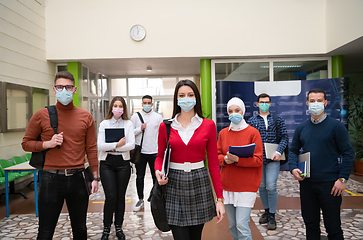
point(354, 90)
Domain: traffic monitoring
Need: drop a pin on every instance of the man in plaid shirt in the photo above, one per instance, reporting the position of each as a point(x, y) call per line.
point(271, 132)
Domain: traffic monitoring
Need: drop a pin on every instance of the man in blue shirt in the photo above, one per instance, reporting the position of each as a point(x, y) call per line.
point(271, 131)
point(326, 139)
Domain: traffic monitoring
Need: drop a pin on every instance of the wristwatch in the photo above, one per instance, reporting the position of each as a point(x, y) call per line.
point(220, 200)
point(343, 180)
point(97, 179)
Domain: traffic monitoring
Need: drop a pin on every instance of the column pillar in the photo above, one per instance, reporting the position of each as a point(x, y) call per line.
point(76, 69)
point(337, 66)
point(206, 87)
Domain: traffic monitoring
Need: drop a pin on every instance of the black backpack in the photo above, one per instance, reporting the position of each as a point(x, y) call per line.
point(38, 158)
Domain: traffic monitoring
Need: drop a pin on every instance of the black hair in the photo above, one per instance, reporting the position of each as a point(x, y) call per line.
point(64, 74)
point(147, 97)
point(263, 95)
point(316, 90)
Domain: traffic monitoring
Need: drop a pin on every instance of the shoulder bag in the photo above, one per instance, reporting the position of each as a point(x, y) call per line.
point(135, 154)
point(158, 193)
point(38, 158)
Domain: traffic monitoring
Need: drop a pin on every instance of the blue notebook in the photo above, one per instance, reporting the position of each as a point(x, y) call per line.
point(114, 134)
point(303, 166)
point(243, 151)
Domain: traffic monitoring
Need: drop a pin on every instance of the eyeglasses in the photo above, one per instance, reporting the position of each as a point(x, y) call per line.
point(61, 87)
point(263, 102)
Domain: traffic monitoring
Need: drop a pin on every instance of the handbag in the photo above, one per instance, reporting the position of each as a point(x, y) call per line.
point(286, 150)
point(135, 154)
point(38, 158)
point(88, 179)
point(157, 203)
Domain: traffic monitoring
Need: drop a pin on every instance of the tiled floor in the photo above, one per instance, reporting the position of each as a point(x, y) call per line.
point(22, 224)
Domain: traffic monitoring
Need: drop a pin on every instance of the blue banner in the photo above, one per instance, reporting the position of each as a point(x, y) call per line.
point(288, 100)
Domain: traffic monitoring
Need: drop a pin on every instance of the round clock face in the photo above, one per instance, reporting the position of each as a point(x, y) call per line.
point(137, 32)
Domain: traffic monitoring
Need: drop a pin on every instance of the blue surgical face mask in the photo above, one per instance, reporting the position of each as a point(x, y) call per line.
point(147, 108)
point(64, 96)
point(235, 118)
point(264, 107)
point(187, 103)
point(316, 108)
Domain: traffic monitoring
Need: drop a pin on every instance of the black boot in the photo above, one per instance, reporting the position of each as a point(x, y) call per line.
point(264, 217)
point(119, 233)
point(106, 233)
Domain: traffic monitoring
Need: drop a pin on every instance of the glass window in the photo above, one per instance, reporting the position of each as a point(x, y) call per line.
point(104, 87)
point(151, 86)
point(93, 84)
point(99, 85)
point(186, 78)
point(40, 98)
point(61, 68)
point(17, 109)
point(118, 87)
point(84, 81)
point(300, 70)
point(242, 71)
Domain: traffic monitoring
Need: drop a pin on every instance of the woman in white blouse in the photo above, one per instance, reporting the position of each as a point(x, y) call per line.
point(115, 170)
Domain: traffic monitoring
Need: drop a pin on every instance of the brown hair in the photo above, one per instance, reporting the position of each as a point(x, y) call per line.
point(64, 74)
point(198, 105)
point(124, 116)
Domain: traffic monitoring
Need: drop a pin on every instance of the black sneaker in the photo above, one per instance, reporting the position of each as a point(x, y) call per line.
point(264, 218)
point(271, 224)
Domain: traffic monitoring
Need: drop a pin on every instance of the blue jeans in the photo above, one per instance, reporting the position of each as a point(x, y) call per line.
point(268, 192)
point(313, 197)
point(54, 189)
point(239, 222)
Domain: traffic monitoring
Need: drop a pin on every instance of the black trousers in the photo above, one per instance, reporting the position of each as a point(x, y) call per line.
point(187, 233)
point(115, 175)
point(140, 172)
point(313, 197)
point(54, 190)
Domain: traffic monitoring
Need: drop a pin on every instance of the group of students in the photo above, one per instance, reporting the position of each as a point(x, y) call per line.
point(190, 201)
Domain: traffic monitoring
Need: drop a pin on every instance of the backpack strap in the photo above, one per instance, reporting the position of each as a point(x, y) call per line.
point(167, 124)
point(53, 116)
point(142, 121)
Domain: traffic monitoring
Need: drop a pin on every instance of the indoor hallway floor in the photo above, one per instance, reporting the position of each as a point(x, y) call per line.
point(23, 224)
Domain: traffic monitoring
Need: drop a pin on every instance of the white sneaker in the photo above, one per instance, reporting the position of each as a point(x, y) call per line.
point(139, 205)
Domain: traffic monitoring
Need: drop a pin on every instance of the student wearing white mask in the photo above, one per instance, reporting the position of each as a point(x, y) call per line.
point(189, 195)
point(247, 172)
point(327, 140)
point(146, 132)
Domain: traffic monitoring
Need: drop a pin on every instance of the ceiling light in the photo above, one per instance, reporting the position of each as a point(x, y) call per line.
point(148, 69)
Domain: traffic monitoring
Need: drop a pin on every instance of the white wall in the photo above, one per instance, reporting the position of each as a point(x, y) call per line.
point(85, 29)
point(343, 22)
point(22, 56)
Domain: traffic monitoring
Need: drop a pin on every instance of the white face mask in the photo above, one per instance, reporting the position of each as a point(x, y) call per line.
point(64, 96)
point(316, 108)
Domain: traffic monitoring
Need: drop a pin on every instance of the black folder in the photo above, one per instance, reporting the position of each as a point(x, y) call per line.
point(114, 134)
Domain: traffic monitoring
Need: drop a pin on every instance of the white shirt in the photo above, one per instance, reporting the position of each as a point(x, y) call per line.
point(265, 119)
point(186, 133)
point(240, 199)
point(152, 120)
point(124, 150)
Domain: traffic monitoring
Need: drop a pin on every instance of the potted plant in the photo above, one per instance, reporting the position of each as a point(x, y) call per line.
point(355, 121)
